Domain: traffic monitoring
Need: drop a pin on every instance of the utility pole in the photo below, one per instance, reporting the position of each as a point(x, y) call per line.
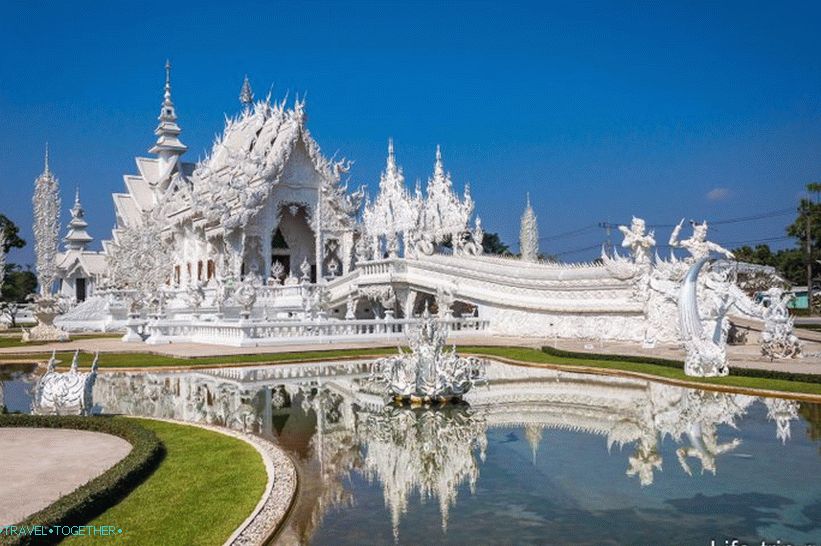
point(608, 243)
point(809, 260)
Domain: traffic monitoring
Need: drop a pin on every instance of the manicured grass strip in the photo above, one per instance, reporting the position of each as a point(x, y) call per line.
point(127, 360)
point(15, 341)
point(664, 369)
point(206, 486)
point(104, 491)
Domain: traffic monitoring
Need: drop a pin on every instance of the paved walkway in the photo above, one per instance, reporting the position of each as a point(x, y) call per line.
point(40, 465)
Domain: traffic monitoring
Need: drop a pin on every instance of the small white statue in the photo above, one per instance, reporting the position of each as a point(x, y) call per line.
point(777, 339)
point(638, 241)
point(697, 245)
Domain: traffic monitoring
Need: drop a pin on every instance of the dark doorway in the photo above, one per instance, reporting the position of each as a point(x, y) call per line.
point(80, 289)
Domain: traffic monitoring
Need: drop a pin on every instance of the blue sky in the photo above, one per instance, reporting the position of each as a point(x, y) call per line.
point(599, 110)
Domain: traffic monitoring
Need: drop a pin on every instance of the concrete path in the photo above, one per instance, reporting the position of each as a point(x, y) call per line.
point(40, 465)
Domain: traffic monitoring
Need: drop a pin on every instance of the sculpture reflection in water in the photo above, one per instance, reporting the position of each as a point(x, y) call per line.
point(335, 426)
point(432, 453)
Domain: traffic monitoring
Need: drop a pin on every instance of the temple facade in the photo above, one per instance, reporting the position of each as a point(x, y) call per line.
point(262, 240)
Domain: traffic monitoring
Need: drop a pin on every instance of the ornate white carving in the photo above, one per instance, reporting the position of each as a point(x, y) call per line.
point(429, 373)
point(46, 202)
point(777, 339)
point(638, 241)
point(697, 245)
point(529, 234)
point(139, 261)
point(393, 213)
point(706, 354)
point(64, 393)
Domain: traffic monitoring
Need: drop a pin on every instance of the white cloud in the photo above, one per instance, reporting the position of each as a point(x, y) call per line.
point(718, 194)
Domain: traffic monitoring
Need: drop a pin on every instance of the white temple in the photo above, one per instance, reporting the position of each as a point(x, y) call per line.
point(261, 242)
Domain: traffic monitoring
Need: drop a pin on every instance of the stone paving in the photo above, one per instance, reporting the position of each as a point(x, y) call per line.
point(40, 465)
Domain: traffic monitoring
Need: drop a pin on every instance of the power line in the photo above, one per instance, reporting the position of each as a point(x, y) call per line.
point(566, 234)
point(759, 216)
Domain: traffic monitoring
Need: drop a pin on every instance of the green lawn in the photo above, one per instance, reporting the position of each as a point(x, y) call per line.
point(14, 341)
point(204, 488)
point(125, 360)
point(538, 357)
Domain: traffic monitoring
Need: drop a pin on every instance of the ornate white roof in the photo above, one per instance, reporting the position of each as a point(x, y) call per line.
point(232, 184)
point(394, 210)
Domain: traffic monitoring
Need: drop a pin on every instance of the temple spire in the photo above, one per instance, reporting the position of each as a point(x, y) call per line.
point(529, 234)
point(46, 168)
point(246, 95)
point(77, 237)
point(168, 145)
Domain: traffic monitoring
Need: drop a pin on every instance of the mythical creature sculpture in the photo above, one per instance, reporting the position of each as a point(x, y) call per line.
point(246, 296)
point(697, 245)
point(429, 373)
point(64, 393)
point(706, 354)
point(777, 339)
point(638, 241)
point(195, 295)
point(277, 272)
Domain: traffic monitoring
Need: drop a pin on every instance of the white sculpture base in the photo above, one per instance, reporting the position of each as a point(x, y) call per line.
point(132, 327)
point(45, 332)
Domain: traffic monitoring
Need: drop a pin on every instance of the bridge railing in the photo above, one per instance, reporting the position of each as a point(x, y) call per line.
point(257, 333)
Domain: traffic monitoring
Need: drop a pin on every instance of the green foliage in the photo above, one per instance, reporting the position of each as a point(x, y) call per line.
point(792, 262)
point(493, 244)
point(92, 499)
point(13, 239)
point(18, 284)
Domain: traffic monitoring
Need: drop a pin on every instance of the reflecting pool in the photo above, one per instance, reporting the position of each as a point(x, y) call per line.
point(536, 456)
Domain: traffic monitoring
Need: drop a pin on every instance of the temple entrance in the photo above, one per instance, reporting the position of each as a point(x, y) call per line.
point(80, 289)
point(292, 242)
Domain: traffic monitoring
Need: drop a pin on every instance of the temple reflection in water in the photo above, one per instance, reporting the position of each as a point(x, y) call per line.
point(334, 423)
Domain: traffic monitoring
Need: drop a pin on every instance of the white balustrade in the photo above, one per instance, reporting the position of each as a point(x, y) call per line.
point(258, 333)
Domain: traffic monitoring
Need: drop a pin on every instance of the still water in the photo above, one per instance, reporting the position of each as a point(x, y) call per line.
point(535, 457)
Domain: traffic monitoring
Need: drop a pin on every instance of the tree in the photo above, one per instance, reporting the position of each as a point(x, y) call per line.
point(493, 244)
point(17, 286)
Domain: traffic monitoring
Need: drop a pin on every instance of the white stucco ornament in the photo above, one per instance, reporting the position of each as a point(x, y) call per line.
point(777, 339)
point(429, 373)
point(65, 393)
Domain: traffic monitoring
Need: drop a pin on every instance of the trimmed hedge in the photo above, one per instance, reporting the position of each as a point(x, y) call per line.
point(104, 491)
point(738, 371)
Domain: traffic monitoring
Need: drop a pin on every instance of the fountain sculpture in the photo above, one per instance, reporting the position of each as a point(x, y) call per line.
point(429, 373)
point(65, 393)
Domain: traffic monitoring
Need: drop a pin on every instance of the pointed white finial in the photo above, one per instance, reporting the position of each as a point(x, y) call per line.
point(77, 195)
point(168, 80)
point(390, 147)
point(438, 153)
point(246, 94)
point(46, 170)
